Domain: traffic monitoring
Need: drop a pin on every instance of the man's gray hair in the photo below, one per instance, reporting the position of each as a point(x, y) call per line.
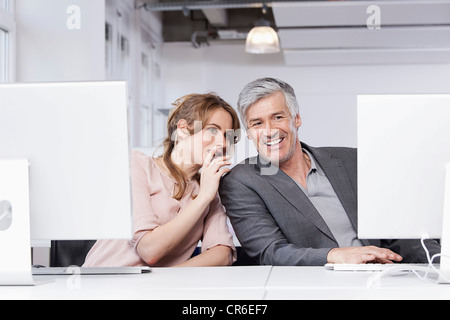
point(263, 88)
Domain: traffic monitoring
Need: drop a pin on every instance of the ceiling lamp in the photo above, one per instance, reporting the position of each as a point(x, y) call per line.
point(262, 39)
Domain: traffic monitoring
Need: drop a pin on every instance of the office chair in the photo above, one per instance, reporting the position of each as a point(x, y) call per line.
point(243, 259)
point(69, 253)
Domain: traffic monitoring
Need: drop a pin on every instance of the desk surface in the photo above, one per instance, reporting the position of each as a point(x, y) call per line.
point(229, 283)
point(162, 284)
point(313, 283)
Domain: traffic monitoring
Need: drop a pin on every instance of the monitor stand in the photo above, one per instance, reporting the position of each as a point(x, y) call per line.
point(15, 247)
point(445, 239)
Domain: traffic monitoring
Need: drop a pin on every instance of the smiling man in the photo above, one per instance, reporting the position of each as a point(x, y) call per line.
point(294, 204)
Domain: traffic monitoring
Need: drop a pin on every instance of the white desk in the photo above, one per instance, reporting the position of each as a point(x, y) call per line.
point(219, 283)
point(314, 283)
point(229, 283)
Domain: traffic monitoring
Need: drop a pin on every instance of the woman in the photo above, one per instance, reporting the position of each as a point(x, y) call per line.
point(174, 206)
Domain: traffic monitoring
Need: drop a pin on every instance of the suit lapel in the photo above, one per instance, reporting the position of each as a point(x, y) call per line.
point(294, 195)
point(340, 181)
point(336, 174)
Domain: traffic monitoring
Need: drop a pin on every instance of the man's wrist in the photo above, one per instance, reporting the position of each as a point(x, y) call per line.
point(331, 255)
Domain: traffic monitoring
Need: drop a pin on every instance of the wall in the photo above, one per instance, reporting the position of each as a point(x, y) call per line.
point(56, 43)
point(327, 95)
point(133, 54)
point(60, 41)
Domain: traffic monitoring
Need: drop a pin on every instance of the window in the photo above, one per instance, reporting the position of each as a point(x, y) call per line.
point(109, 49)
point(132, 52)
point(3, 56)
point(4, 5)
point(7, 32)
point(125, 59)
point(145, 81)
point(118, 41)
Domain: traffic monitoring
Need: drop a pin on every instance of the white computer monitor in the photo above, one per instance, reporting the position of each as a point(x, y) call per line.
point(75, 137)
point(403, 152)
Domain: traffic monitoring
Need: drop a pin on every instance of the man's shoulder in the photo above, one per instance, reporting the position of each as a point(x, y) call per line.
point(344, 153)
point(243, 169)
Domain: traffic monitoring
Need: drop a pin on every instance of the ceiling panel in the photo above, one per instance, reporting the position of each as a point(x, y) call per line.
point(342, 32)
point(388, 37)
point(355, 13)
point(365, 57)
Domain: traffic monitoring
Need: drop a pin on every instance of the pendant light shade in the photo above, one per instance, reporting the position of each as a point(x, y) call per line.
point(262, 39)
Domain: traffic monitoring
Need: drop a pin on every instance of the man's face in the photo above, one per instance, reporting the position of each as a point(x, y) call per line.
point(272, 128)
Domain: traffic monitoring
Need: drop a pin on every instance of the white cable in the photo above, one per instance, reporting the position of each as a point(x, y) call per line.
point(414, 269)
point(430, 260)
point(422, 241)
point(395, 271)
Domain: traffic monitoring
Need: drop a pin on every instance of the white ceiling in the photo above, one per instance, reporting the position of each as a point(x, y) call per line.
point(337, 32)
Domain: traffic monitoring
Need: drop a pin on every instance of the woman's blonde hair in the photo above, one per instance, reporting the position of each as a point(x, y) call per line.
point(193, 108)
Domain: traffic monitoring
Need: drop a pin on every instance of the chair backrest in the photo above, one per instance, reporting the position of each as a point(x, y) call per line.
point(69, 253)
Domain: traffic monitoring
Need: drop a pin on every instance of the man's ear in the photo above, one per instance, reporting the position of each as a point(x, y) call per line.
point(298, 121)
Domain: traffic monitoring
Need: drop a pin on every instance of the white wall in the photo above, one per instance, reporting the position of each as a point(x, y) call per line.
point(55, 44)
point(327, 95)
point(142, 32)
point(57, 41)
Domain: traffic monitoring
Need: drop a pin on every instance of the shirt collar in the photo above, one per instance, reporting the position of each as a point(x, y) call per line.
point(314, 165)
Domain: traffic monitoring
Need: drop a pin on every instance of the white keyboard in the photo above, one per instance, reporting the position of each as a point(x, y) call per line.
point(374, 266)
point(89, 270)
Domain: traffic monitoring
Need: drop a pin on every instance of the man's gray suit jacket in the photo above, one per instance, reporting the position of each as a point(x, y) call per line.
point(277, 224)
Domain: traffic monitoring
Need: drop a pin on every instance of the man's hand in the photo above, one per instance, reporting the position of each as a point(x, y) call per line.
point(361, 255)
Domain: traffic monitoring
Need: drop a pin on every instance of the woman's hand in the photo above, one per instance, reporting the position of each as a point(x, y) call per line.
point(213, 169)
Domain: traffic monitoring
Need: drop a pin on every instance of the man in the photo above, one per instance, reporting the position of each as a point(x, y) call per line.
point(295, 204)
